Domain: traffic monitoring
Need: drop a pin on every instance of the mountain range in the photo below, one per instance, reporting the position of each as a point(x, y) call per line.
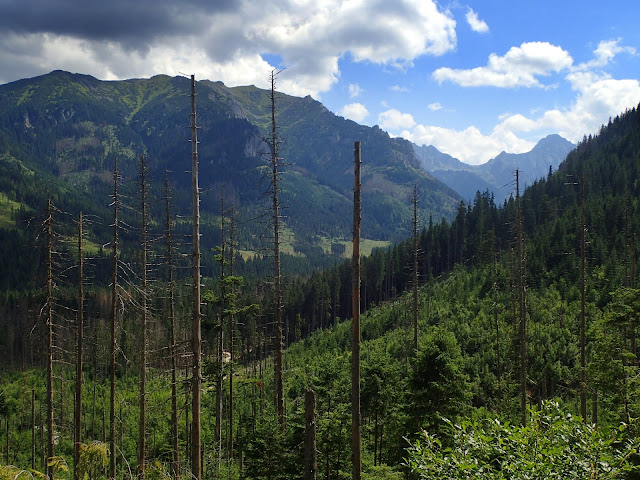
point(496, 175)
point(60, 133)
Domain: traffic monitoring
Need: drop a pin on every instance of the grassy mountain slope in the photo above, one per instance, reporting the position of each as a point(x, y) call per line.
point(62, 131)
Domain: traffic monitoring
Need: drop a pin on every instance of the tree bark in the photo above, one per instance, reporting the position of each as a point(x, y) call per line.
point(50, 424)
point(175, 465)
point(142, 427)
point(196, 455)
point(521, 308)
point(114, 301)
point(79, 348)
point(356, 444)
point(274, 141)
point(310, 455)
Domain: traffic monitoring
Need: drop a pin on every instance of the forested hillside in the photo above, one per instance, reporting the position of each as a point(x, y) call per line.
point(60, 134)
point(499, 334)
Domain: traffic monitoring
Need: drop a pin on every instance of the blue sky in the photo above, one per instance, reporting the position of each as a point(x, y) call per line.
point(471, 78)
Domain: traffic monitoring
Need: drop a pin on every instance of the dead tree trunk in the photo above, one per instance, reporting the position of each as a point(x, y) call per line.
point(142, 427)
point(415, 271)
point(274, 142)
point(33, 429)
point(114, 313)
point(50, 424)
point(196, 455)
point(356, 443)
point(172, 336)
point(219, 381)
point(521, 308)
point(583, 328)
point(310, 453)
point(231, 331)
point(79, 347)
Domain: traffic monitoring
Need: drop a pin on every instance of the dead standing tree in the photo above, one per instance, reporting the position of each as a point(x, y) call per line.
point(273, 141)
point(49, 307)
point(79, 346)
point(143, 327)
point(196, 389)
point(172, 334)
point(114, 312)
point(356, 443)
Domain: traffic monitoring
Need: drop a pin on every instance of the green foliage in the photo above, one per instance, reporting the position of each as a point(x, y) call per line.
point(438, 384)
point(9, 472)
point(94, 458)
point(554, 444)
point(268, 457)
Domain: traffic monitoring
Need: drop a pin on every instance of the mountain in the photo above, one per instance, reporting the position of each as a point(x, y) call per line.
point(60, 132)
point(497, 175)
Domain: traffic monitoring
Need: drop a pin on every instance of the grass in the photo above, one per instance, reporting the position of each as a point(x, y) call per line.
point(7, 206)
point(366, 245)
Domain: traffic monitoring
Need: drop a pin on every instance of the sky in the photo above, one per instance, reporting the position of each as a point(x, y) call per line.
point(473, 78)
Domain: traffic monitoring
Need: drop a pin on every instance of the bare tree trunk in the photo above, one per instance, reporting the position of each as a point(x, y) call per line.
point(356, 446)
point(219, 392)
point(33, 429)
point(497, 323)
point(310, 453)
point(142, 427)
point(114, 312)
point(521, 310)
point(175, 465)
point(79, 347)
point(274, 143)
point(415, 271)
point(231, 331)
point(583, 328)
point(50, 424)
point(196, 455)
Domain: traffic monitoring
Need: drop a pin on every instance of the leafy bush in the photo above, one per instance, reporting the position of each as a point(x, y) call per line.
point(552, 445)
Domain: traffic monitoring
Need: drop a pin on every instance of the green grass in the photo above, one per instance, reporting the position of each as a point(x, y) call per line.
point(6, 207)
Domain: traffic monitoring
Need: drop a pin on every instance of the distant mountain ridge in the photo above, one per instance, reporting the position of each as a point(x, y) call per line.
point(497, 174)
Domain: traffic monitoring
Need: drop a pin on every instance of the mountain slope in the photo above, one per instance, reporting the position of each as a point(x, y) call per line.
point(62, 132)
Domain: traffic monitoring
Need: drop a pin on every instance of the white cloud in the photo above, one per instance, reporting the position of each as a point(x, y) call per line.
point(398, 88)
point(598, 97)
point(519, 67)
point(475, 23)
point(605, 53)
point(596, 101)
point(354, 90)
point(435, 106)
point(468, 145)
point(355, 111)
point(394, 120)
point(308, 37)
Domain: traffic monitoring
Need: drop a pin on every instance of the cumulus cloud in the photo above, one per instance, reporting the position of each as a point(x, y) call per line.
point(398, 88)
point(598, 97)
point(468, 145)
point(475, 23)
point(225, 37)
point(434, 107)
point(394, 120)
point(605, 53)
point(519, 67)
point(355, 111)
